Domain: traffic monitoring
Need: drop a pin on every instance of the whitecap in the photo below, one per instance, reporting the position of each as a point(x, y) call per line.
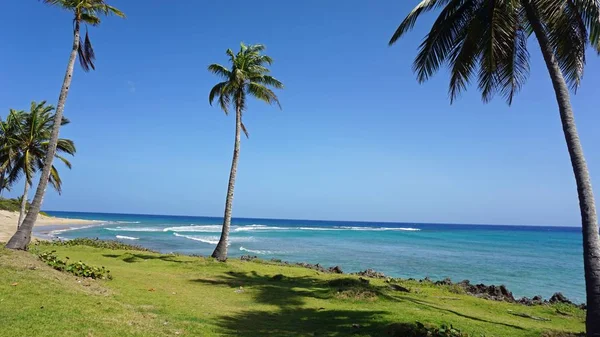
point(201, 229)
point(123, 237)
point(261, 252)
point(211, 240)
point(134, 229)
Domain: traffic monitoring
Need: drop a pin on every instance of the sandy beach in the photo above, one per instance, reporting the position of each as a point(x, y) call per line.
point(8, 223)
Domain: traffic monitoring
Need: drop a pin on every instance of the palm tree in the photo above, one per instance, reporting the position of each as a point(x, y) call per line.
point(487, 40)
point(7, 130)
point(86, 12)
point(248, 75)
point(29, 145)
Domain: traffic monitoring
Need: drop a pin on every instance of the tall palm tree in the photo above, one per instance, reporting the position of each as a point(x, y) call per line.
point(487, 40)
point(86, 12)
point(248, 75)
point(29, 145)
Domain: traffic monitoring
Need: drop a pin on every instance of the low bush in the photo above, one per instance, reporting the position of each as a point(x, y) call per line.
point(97, 243)
point(420, 330)
point(80, 269)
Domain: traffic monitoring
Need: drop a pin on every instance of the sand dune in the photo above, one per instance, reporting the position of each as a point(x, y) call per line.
point(8, 223)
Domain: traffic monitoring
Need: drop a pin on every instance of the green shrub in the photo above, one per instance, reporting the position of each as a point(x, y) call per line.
point(12, 205)
point(97, 243)
point(419, 330)
point(78, 268)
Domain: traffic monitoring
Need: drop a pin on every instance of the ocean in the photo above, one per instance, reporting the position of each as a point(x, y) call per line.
point(528, 260)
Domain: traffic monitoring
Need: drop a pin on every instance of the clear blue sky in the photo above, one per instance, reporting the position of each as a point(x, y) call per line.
point(358, 138)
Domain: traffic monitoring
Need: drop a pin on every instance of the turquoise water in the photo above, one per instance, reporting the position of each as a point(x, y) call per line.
point(528, 260)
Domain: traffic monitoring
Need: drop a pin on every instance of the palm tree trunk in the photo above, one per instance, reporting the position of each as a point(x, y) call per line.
point(23, 204)
point(23, 235)
point(587, 205)
point(220, 252)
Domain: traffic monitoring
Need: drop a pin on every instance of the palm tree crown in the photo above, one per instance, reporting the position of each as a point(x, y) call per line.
point(487, 40)
point(89, 12)
point(27, 144)
point(248, 75)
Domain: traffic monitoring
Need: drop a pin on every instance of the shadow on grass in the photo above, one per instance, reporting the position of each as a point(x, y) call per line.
point(294, 318)
point(432, 306)
point(138, 257)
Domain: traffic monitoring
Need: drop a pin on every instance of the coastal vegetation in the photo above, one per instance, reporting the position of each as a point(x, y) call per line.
point(487, 40)
point(154, 294)
point(248, 76)
point(26, 137)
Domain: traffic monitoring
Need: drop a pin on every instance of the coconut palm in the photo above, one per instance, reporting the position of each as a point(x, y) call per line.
point(29, 145)
point(84, 12)
point(248, 76)
point(487, 40)
point(8, 128)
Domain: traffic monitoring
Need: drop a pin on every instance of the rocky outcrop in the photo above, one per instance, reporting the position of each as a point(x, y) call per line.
point(501, 293)
point(370, 273)
point(492, 292)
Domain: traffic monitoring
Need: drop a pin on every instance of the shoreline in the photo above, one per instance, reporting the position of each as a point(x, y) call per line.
point(8, 224)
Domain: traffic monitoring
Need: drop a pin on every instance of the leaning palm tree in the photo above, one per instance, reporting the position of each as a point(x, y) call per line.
point(248, 75)
point(29, 145)
point(86, 12)
point(487, 40)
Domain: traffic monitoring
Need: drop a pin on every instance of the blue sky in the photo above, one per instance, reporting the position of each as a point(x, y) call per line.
point(358, 138)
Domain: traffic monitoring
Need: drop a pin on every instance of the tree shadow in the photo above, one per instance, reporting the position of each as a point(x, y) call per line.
point(432, 306)
point(295, 322)
point(296, 317)
point(139, 257)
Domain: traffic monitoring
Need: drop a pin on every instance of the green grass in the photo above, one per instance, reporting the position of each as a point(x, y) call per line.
point(171, 295)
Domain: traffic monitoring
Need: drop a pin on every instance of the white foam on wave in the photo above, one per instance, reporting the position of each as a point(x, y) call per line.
point(261, 252)
point(193, 228)
point(123, 237)
point(211, 240)
point(254, 227)
point(60, 231)
point(134, 229)
point(353, 228)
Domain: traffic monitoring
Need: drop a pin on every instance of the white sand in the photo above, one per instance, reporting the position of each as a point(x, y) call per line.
point(8, 223)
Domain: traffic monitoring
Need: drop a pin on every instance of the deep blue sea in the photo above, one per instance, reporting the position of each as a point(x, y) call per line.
point(528, 260)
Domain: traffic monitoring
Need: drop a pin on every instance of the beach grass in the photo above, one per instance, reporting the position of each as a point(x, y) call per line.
point(155, 294)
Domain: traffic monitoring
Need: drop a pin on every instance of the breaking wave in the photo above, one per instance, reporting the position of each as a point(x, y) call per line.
point(261, 252)
point(123, 237)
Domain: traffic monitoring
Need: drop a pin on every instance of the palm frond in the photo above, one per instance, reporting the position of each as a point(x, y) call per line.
point(567, 34)
point(263, 93)
point(86, 54)
point(589, 11)
point(439, 43)
point(409, 22)
point(219, 70)
point(55, 180)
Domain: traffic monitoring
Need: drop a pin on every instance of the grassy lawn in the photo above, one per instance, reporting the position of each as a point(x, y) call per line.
point(167, 295)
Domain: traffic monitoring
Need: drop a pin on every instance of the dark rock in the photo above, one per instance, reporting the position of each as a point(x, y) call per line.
point(559, 298)
point(277, 277)
point(336, 270)
point(363, 280)
point(399, 288)
point(445, 282)
point(248, 258)
point(370, 273)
